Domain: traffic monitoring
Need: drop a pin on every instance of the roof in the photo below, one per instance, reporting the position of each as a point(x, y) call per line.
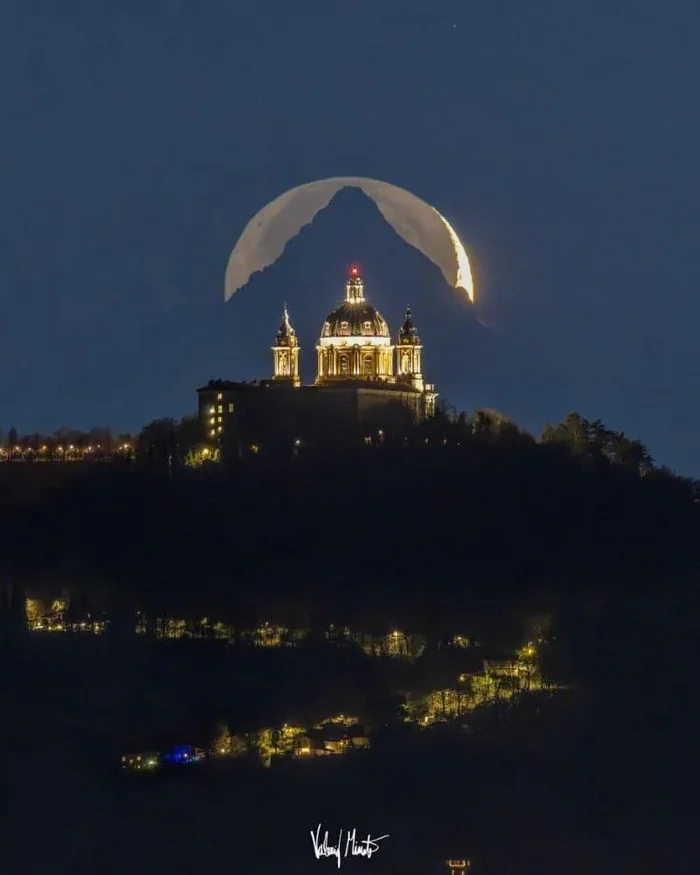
point(237, 386)
point(355, 319)
point(356, 384)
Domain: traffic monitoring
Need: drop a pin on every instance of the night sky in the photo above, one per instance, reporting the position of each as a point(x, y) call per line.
point(561, 140)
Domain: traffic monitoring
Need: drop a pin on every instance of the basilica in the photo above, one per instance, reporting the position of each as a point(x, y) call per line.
point(364, 382)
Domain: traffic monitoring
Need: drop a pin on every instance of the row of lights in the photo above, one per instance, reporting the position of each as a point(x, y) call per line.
point(70, 449)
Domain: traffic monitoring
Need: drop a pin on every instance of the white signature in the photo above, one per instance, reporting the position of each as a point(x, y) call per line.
point(350, 848)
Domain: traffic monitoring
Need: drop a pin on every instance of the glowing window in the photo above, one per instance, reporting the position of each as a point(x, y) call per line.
point(220, 419)
point(367, 366)
point(344, 364)
point(230, 408)
point(368, 325)
point(344, 326)
point(220, 408)
point(219, 396)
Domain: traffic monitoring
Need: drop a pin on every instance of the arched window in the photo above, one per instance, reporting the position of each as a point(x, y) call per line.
point(405, 363)
point(367, 366)
point(344, 364)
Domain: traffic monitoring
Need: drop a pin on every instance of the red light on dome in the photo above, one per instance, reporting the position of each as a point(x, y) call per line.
point(354, 270)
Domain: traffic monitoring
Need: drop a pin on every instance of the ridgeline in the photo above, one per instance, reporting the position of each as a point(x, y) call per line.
point(464, 515)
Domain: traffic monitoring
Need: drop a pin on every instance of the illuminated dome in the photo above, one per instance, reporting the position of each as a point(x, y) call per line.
point(355, 343)
point(355, 320)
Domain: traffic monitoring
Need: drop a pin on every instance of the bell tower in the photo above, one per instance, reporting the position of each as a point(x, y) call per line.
point(285, 353)
point(408, 354)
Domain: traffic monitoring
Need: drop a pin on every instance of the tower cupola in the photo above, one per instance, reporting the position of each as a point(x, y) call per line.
point(355, 287)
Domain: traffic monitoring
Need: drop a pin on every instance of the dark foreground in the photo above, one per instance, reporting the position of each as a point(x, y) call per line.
point(564, 799)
